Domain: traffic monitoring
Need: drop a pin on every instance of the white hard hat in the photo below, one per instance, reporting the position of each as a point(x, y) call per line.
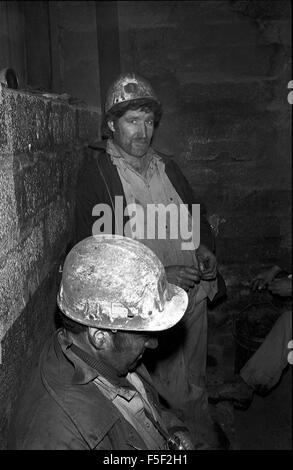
point(129, 87)
point(114, 282)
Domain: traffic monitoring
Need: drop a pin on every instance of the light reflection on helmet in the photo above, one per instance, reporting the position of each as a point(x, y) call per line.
point(129, 87)
point(114, 282)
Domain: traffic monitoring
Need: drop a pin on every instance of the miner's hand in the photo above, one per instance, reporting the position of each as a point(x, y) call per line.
point(182, 276)
point(262, 280)
point(282, 287)
point(207, 263)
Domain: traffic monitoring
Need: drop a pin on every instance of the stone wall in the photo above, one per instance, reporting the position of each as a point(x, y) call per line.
point(54, 46)
point(75, 54)
point(12, 38)
point(221, 69)
point(42, 143)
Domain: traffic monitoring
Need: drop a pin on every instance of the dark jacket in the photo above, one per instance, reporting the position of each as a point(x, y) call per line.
point(99, 182)
point(57, 412)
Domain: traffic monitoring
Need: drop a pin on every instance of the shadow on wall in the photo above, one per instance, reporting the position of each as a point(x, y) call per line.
point(22, 344)
point(42, 145)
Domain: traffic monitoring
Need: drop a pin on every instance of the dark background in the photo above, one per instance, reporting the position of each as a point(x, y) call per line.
point(221, 69)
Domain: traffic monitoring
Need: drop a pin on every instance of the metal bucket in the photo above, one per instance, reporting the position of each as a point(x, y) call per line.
point(250, 327)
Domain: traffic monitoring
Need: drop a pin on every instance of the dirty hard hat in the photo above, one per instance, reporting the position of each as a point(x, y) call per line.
point(129, 87)
point(114, 282)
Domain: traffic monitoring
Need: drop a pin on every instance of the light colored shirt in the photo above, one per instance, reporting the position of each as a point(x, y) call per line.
point(146, 191)
point(135, 408)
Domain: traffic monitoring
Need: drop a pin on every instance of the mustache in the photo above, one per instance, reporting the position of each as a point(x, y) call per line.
point(141, 140)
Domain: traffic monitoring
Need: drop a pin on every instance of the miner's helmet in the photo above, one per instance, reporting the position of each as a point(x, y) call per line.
point(127, 88)
point(115, 282)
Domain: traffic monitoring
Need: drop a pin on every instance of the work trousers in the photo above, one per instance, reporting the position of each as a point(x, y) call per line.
point(264, 368)
point(179, 369)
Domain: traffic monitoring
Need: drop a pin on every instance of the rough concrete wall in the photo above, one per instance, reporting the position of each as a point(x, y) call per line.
point(221, 69)
point(42, 143)
point(12, 38)
point(75, 57)
point(37, 44)
point(52, 46)
point(108, 44)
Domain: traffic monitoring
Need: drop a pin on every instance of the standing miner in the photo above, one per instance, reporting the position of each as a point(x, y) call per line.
point(126, 169)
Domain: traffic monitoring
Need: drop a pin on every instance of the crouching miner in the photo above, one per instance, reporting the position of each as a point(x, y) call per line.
point(90, 390)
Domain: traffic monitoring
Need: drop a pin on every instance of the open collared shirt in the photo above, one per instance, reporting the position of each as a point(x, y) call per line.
point(129, 397)
point(153, 189)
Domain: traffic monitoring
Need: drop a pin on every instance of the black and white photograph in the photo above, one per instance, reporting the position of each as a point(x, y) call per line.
point(145, 229)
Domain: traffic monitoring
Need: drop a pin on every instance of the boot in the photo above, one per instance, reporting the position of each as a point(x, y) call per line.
point(237, 391)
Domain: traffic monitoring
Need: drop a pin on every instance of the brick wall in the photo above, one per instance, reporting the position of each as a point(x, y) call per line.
point(42, 143)
point(221, 70)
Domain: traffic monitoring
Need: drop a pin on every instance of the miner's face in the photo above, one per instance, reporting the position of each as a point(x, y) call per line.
point(125, 350)
point(133, 132)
